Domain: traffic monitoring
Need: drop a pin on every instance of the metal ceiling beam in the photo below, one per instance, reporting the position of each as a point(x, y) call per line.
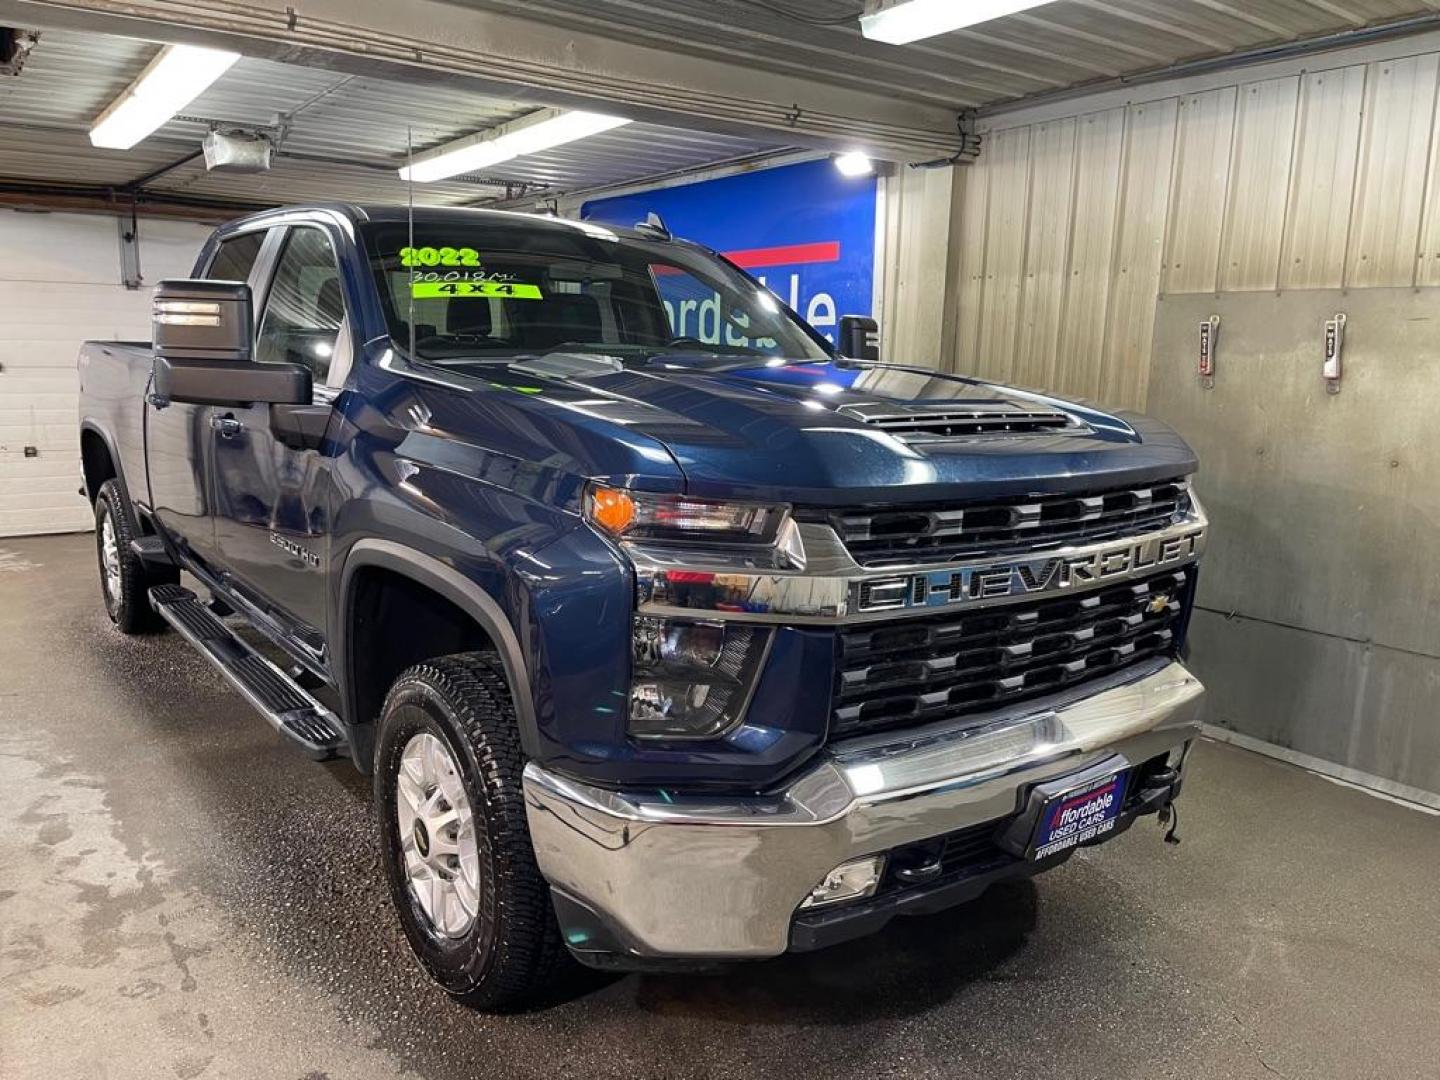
point(520, 58)
point(40, 195)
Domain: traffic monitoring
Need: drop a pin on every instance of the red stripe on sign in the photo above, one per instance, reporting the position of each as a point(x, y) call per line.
point(786, 255)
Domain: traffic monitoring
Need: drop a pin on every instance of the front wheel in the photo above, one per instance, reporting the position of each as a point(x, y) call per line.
point(124, 580)
point(457, 851)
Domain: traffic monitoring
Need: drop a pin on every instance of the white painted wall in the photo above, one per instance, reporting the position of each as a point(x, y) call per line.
point(60, 283)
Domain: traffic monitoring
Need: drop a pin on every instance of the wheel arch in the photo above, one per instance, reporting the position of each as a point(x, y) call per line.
point(99, 461)
point(429, 573)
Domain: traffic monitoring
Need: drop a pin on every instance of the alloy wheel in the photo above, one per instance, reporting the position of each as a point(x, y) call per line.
point(110, 559)
point(437, 836)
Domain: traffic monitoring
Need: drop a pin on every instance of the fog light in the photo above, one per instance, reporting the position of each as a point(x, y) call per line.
point(853, 880)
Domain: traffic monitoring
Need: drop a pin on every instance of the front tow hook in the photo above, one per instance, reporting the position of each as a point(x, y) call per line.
point(1159, 791)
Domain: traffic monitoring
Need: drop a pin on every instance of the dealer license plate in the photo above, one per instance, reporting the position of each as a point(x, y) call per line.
point(1079, 815)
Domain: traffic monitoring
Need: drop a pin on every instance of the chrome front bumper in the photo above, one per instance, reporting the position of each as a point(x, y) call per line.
point(722, 878)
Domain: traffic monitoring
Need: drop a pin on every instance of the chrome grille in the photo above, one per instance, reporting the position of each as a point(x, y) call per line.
point(921, 670)
point(899, 536)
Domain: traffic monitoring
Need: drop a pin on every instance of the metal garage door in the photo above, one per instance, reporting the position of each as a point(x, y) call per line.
point(60, 284)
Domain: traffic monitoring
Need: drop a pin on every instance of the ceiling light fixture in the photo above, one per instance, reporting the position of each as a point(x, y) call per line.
point(854, 164)
point(899, 22)
point(177, 76)
point(528, 135)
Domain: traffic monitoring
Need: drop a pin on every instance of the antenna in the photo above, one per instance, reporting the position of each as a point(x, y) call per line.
point(410, 222)
point(655, 225)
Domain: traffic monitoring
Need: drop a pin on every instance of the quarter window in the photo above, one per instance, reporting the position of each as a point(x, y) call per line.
point(235, 258)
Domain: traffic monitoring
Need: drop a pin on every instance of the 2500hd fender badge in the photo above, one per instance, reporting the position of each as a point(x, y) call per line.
point(991, 581)
point(305, 555)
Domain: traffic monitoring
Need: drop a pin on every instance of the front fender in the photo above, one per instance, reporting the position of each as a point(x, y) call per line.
point(461, 591)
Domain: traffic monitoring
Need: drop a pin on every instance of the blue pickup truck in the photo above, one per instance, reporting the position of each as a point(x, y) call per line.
point(663, 651)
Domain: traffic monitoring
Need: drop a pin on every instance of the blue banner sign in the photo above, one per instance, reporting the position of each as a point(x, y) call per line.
point(805, 231)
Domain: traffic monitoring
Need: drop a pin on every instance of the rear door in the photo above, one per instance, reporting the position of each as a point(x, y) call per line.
point(273, 500)
point(178, 437)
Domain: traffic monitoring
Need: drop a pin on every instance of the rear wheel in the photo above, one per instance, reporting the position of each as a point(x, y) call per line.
point(124, 580)
point(457, 851)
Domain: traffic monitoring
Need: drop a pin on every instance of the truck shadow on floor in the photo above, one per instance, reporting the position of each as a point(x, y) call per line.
point(915, 964)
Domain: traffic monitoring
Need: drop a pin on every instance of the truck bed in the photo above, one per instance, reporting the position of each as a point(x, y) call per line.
point(114, 376)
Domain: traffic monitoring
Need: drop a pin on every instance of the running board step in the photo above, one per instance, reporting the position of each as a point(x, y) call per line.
point(151, 550)
point(289, 709)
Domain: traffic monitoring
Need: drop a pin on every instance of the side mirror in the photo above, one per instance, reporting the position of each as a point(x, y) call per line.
point(860, 338)
point(203, 336)
point(202, 320)
point(230, 382)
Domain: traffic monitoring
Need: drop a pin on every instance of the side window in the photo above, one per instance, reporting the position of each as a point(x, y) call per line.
point(303, 309)
point(235, 258)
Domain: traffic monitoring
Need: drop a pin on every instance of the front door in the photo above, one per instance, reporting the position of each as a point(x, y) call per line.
point(273, 500)
point(179, 438)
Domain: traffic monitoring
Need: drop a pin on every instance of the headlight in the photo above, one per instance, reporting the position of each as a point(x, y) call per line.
point(636, 515)
point(692, 680)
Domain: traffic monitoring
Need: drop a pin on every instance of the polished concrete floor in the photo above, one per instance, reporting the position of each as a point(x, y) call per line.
point(183, 895)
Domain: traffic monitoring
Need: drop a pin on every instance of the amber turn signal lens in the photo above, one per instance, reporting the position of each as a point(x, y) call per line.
point(612, 509)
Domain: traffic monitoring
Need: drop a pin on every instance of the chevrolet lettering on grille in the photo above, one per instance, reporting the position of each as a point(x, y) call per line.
point(1023, 577)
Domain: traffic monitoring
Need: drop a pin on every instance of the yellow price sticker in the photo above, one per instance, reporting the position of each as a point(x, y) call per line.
point(504, 290)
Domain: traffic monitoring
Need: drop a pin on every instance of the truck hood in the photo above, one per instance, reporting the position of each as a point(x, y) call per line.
point(807, 433)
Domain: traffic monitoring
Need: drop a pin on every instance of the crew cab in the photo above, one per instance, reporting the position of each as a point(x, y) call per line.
point(663, 651)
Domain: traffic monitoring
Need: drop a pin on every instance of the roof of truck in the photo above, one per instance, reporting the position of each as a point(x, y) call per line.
point(448, 214)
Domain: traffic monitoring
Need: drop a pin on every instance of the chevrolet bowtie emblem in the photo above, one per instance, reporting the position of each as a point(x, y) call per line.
point(1158, 603)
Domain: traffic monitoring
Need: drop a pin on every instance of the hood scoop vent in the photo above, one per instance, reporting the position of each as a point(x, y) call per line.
point(563, 365)
point(959, 419)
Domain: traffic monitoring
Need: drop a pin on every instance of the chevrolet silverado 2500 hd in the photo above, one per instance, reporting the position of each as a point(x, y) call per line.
point(662, 651)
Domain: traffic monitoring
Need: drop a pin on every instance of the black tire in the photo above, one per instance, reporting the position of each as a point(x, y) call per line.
point(127, 602)
point(513, 954)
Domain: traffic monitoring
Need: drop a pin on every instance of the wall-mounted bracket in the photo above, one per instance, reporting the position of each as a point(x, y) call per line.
point(129, 235)
point(1209, 338)
point(1334, 342)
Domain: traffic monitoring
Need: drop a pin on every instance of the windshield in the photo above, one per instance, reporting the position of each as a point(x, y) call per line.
point(478, 290)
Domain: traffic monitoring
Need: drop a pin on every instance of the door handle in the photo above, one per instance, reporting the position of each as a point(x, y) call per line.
point(227, 426)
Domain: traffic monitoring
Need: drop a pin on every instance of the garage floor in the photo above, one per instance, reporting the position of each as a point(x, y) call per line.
point(181, 894)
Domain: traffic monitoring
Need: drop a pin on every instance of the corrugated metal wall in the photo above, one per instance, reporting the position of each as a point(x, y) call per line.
point(1092, 237)
point(912, 261)
point(1070, 227)
point(1316, 628)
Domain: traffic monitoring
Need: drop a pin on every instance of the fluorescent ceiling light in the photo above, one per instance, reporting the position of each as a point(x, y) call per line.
point(528, 135)
point(176, 77)
point(854, 164)
point(910, 20)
